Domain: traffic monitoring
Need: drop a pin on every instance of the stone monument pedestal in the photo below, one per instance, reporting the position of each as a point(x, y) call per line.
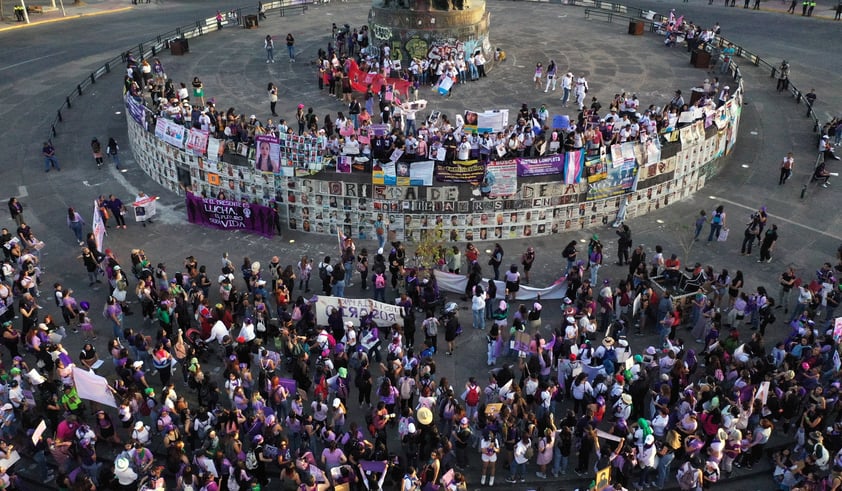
point(421, 30)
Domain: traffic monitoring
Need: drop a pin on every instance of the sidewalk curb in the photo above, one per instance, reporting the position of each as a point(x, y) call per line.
point(67, 17)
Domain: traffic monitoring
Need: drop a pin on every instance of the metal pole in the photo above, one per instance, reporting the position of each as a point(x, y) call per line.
point(25, 13)
point(61, 2)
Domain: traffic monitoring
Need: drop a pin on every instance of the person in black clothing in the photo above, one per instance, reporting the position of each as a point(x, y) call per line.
point(768, 243)
point(397, 259)
point(624, 243)
point(364, 383)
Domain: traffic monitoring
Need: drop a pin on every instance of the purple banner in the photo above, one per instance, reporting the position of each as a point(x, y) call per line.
point(231, 215)
point(136, 109)
point(542, 166)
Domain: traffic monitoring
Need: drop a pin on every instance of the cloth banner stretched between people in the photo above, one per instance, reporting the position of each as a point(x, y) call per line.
point(354, 309)
point(457, 283)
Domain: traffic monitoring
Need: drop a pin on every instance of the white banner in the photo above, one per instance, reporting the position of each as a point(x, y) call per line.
point(457, 283)
point(98, 226)
point(145, 208)
point(93, 387)
point(353, 309)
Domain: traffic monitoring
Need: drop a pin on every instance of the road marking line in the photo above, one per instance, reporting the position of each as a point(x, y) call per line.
point(28, 61)
point(22, 192)
point(776, 217)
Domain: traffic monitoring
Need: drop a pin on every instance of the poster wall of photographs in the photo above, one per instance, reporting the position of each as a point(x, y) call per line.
point(322, 202)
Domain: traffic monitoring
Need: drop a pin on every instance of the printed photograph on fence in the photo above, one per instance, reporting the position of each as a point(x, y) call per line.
point(197, 141)
point(268, 154)
point(343, 164)
point(501, 176)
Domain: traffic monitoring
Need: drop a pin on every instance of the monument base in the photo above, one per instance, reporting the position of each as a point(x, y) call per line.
point(421, 33)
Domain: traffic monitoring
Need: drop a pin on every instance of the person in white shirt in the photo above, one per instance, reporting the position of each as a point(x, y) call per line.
point(581, 90)
point(479, 61)
point(646, 459)
point(520, 460)
point(351, 146)
point(218, 332)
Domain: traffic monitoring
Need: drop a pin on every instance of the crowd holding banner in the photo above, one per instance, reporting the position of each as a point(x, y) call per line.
point(230, 215)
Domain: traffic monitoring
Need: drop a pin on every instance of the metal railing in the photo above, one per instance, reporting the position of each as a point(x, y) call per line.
point(152, 47)
point(609, 11)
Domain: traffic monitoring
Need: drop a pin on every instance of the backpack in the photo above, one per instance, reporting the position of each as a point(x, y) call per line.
point(251, 460)
point(379, 281)
point(472, 398)
point(406, 388)
point(717, 219)
point(688, 478)
point(323, 274)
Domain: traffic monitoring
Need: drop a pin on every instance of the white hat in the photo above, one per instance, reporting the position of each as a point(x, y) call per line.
point(349, 324)
point(336, 403)
point(411, 428)
point(570, 319)
point(651, 350)
point(650, 439)
point(121, 464)
point(7, 407)
point(138, 426)
point(137, 364)
point(627, 398)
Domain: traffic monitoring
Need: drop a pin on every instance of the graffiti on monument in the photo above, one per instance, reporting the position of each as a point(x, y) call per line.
point(442, 48)
point(383, 33)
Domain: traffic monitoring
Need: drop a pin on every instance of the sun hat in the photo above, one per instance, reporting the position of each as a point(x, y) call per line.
point(425, 416)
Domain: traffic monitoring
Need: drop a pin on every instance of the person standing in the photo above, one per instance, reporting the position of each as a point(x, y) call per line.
point(787, 281)
point(701, 220)
point(717, 222)
point(118, 210)
point(198, 90)
point(569, 253)
point(624, 243)
point(786, 168)
point(16, 210)
point(552, 71)
point(478, 307)
point(291, 47)
point(273, 96)
point(96, 149)
point(783, 76)
point(750, 234)
point(112, 149)
point(810, 100)
point(538, 77)
point(261, 14)
point(526, 260)
point(50, 160)
point(496, 260)
point(75, 222)
point(566, 85)
point(581, 90)
point(269, 46)
point(770, 238)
